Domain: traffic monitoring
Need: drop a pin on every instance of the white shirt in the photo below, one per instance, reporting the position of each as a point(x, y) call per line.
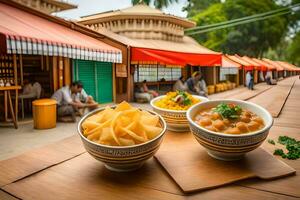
point(63, 96)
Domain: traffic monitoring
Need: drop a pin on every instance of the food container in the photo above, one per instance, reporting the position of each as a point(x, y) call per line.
point(122, 158)
point(176, 119)
point(224, 146)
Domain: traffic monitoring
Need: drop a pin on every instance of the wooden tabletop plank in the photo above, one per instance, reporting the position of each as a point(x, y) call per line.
point(5, 196)
point(274, 99)
point(74, 180)
point(289, 185)
point(38, 159)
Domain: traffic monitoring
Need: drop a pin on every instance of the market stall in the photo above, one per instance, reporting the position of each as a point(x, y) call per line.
point(43, 50)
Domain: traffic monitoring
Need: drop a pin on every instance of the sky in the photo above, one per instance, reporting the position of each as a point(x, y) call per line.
point(87, 7)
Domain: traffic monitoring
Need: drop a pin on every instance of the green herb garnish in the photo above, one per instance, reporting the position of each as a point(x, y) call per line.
point(185, 99)
point(271, 141)
point(292, 146)
point(229, 111)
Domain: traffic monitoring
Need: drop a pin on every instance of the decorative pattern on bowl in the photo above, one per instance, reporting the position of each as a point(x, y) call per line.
point(228, 146)
point(122, 158)
point(176, 120)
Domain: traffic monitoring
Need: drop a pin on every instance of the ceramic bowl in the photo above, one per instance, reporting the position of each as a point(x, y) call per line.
point(227, 146)
point(176, 120)
point(122, 158)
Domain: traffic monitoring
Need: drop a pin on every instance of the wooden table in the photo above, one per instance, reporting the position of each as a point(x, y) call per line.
point(8, 102)
point(64, 170)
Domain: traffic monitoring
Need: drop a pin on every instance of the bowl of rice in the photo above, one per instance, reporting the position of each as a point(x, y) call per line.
point(173, 107)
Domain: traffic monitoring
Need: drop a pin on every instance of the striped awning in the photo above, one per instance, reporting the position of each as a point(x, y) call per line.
point(25, 33)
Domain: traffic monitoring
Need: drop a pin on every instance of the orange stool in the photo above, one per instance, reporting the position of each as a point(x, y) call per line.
point(44, 113)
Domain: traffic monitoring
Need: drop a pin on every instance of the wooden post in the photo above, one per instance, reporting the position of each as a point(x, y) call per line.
point(15, 69)
point(129, 84)
point(47, 63)
point(114, 83)
point(60, 71)
point(21, 69)
point(214, 75)
point(67, 71)
point(42, 63)
point(54, 73)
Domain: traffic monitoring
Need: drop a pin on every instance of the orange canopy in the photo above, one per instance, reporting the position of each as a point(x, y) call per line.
point(24, 32)
point(238, 59)
point(141, 55)
point(256, 65)
point(275, 64)
point(226, 62)
point(288, 66)
point(265, 65)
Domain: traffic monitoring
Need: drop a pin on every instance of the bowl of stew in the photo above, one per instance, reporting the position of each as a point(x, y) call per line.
point(229, 129)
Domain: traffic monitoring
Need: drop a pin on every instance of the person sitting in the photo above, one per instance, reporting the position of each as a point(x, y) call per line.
point(192, 83)
point(31, 89)
point(140, 96)
point(83, 97)
point(201, 87)
point(179, 85)
point(269, 79)
point(66, 106)
point(144, 88)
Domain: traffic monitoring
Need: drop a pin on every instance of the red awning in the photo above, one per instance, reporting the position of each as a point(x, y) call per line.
point(24, 32)
point(256, 65)
point(141, 55)
point(247, 66)
point(278, 66)
point(226, 62)
point(287, 66)
point(265, 65)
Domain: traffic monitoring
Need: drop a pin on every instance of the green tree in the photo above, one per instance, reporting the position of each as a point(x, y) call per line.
point(251, 39)
point(193, 7)
point(157, 3)
point(293, 50)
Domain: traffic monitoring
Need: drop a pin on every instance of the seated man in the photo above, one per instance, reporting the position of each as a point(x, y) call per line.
point(145, 88)
point(66, 106)
point(193, 82)
point(83, 97)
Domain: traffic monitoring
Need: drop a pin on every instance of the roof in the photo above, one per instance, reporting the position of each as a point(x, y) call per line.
point(136, 11)
point(226, 62)
point(249, 60)
point(61, 4)
point(188, 45)
point(265, 64)
point(287, 66)
point(239, 60)
point(278, 66)
point(26, 33)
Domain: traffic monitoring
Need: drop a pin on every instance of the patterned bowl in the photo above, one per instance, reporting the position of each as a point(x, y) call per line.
point(122, 158)
point(176, 119)
point(227, 146)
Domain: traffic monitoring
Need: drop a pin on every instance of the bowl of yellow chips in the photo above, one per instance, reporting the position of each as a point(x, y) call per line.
point(122, 137)
point(173, 107)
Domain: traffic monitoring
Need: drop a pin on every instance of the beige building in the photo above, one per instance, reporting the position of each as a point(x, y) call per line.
point(154, 47)
point(47, 6)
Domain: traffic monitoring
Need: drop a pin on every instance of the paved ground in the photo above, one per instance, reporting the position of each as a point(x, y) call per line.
point(14, 142)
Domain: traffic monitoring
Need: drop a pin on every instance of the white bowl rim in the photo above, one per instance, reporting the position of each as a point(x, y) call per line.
point(120, 147)
point(267, 126)
point(203, 99)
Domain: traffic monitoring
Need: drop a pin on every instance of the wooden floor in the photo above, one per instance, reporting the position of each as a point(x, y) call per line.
point(54, 171)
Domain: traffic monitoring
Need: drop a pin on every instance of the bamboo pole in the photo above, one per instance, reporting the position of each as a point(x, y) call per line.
point(15, 69)
point(21, 69)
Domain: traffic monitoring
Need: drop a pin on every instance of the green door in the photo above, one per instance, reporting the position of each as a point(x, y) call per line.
point(96, 78)
point(104, 82)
